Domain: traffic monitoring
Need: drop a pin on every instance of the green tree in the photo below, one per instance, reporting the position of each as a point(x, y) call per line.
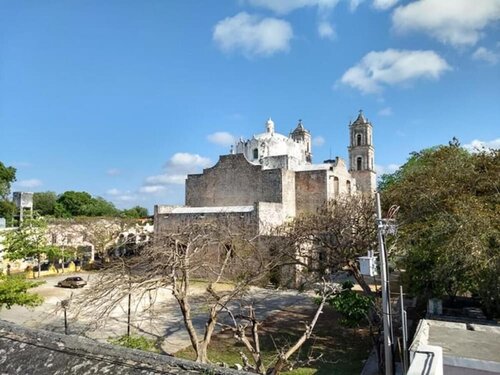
point(449, 222)
point(7, 177)
point(29, 240)
point(14, 291)
point(136, 212)
point(99, 207)
point(45, 203)
point(80, 203)
point(74, 203)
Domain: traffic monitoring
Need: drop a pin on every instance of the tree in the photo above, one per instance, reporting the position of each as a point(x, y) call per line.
point(74, 202)
point(28, 241)
point(216, 252)
point(14, 291)
point(7, 177)
point(80, 203)
point(333, 238)
point(449, 222)
point(136, 212)
point(44, 203)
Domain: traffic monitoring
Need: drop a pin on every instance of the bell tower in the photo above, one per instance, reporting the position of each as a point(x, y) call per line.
point(361, 154)
point(302, 135)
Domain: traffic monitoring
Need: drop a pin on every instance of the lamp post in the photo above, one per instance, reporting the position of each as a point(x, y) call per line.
point(386, 297)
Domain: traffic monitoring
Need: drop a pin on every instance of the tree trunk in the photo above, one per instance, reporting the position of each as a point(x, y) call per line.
point(188, 322)
point(360, 279)
point(39, 265)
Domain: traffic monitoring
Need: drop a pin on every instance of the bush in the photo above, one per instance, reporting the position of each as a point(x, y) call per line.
point(353, 306)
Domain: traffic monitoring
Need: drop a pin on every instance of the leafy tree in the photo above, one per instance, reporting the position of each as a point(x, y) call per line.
point(28, 241)
point(136, 212)
point(99, 207)
point(79, 203)
point(449, 222)
point(45, 203)
point(14, 291)
point(7, 209)
point(73, 203)
point(7, 177)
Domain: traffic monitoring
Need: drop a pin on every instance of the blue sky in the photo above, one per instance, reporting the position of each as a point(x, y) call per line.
point(124, 98)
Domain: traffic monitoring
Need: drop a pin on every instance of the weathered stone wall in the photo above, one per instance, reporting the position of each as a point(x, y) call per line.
point(233, 181)
point(176, 222)
point(311, 190)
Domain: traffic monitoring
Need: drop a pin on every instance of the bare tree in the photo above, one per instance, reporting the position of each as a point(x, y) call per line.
point(241, 323)
point(216, 252)
point(333, 238)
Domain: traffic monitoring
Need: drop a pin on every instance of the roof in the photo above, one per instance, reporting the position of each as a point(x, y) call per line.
point(211, 210)
point(32, 351)
point(361, 118)
point(467, 345)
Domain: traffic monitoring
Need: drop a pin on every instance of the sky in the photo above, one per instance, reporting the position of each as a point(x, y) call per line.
point(124, 98)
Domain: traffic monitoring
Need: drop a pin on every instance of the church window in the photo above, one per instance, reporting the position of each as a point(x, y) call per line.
point(348, 186)
point(255, 153)
point(359, 162)
point(358, 140)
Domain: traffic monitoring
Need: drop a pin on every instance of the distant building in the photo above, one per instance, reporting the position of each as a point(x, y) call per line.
point(270, 178)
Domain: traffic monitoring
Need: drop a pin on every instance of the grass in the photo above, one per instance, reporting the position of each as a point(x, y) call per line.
point(344, 349)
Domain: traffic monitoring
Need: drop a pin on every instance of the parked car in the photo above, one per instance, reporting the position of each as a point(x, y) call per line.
point(72, 282)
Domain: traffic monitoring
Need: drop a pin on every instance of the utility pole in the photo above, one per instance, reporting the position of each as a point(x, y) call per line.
point(386, 297)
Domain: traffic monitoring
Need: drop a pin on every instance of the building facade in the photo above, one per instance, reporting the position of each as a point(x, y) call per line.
point(270, 178)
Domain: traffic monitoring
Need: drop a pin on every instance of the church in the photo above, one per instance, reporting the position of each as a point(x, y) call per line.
point(271, 178)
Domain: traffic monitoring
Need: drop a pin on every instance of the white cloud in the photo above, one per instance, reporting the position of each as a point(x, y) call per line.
point(175, 172)
point(287, 6)
point(151, 189)
point(387, 111)
point(457, 22)
point(477, 145)
point(326, 30)
point(384, 4)
point(221, 138)
point(392, 67)
point(318, 141)
point(253, 35)
point(29, 183)
point(483, 54)
point(386, 169)
point(113, 192)
point(353, 4)
point(113, 172)
point(186, 162)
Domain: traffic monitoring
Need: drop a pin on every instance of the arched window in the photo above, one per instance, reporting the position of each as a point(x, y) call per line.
point(359, 163)
point(358, 140)
point(255, 153)
point(348, 186)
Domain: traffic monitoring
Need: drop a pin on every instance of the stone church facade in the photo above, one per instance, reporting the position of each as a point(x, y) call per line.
point(270, 178)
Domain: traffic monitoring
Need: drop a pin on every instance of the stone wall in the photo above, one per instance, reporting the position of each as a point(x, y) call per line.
point(175, 222)
point(311, 190)
point(233, 181)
